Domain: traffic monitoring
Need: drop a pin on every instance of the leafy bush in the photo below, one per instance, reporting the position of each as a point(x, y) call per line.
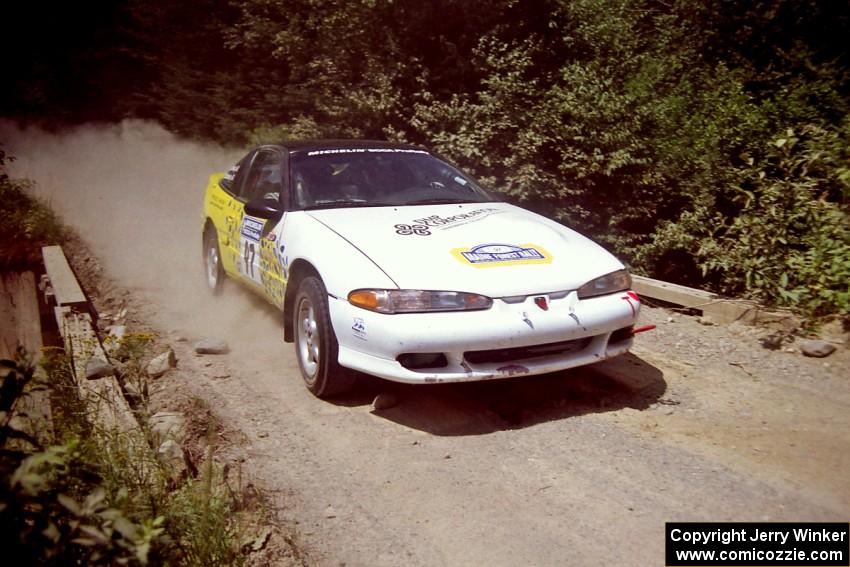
point(789, 243)
point(783, 235)
point(631, 120)
point(27, 224)
point(88, 499)
point(201, 522)
point(644, 136)
point(54, 507)
point(629, 127)
point(301, 128)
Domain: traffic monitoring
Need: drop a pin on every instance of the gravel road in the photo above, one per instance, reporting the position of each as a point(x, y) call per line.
point(699, 423)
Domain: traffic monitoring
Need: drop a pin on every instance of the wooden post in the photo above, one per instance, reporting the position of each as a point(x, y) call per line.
point(103, 396)
point(20, 325)
point(718, 309)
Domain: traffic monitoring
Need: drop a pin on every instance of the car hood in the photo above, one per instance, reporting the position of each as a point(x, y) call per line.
point(495, 249)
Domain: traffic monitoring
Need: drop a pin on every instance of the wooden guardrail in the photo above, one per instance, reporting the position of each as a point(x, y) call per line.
point(63, 283)
point(715, 307)
point(20, 325)
point(102, 394)
point(19, 315)
point(104, 398)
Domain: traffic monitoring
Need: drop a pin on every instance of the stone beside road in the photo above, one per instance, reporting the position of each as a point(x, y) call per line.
point(817, 348)
point(384, 401)
point(166, 425)
point(161, 364)
point(211, 346)
point(98, 368)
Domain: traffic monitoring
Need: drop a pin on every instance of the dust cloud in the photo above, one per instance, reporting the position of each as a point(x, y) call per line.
point(134, 192)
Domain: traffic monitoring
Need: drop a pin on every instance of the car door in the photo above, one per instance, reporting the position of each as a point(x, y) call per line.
point(259, 246)
point(224, 207)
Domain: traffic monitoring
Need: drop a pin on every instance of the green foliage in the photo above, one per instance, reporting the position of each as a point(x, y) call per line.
point(789, 242)
point(636, 136)
point(27, 224)
point(94, 498)
point(132, 349)
point(52, 509)
point(338, 72)
point(630, 125)
point(15, 376)
point(630, 120)
point(46, 524)
point(301, 128)
point(200, 520)
point(202, 514)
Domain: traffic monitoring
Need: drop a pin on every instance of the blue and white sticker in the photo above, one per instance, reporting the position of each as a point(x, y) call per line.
point(359, 328)
point(484, 255)
point(252, 228)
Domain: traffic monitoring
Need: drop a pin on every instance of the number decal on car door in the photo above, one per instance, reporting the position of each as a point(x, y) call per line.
point(249, 256)
point(249, 236)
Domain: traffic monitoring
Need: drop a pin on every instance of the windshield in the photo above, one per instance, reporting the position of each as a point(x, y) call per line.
point(378, 177)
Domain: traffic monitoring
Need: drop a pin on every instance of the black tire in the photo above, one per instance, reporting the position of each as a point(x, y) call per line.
point(213, 272)
point(316, 346)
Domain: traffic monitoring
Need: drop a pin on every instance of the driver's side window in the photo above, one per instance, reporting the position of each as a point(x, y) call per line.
point(265, 178)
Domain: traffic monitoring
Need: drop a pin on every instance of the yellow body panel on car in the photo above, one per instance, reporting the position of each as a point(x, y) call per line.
point(238, 256)
point(225, 213)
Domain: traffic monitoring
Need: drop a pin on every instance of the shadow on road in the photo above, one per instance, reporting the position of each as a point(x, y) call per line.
point(476, 408)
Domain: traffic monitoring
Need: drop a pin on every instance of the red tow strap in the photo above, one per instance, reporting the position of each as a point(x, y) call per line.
point(642, 329)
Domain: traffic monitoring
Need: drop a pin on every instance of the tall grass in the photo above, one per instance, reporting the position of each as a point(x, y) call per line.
point(92, 496)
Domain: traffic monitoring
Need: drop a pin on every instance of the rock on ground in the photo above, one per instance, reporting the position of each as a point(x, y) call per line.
point(384, 401)
point(170, 454)
point(211, 346)
point(98, 368)
point(161, 364)
point(166, 425)
point(816, 348)
point(135, 390)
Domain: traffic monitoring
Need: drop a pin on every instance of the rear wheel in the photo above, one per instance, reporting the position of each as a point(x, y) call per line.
point(315, 343)
point(212, 261)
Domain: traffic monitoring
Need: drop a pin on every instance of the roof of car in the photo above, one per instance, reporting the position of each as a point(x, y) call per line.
point(312, 145)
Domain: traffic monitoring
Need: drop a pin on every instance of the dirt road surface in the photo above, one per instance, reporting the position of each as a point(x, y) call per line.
point(576, 468)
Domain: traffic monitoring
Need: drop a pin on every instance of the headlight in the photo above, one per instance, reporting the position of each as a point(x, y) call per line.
point(609, 283)
point(417, 301)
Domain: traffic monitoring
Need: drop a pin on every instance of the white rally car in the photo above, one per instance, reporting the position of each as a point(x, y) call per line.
point(387, 260)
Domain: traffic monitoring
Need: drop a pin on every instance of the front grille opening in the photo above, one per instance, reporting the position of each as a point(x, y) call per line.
point(520, 353)
point(620, 335)
point(421, 360)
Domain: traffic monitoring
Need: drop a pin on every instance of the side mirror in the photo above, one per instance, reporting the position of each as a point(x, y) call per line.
point(269, 209)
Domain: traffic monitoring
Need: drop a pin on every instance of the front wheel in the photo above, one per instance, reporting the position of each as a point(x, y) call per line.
point(315, 343)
